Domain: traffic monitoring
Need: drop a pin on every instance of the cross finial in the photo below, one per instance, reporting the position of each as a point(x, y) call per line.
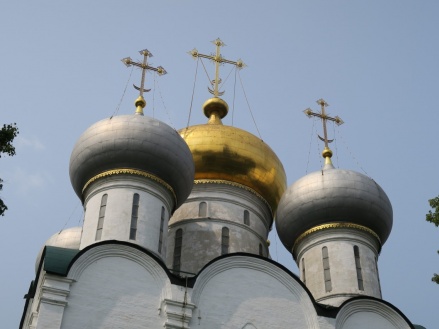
point(218, 59)
point(327, 153)
point(140, 101)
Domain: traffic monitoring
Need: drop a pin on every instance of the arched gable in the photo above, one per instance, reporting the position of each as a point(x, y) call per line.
point(115, 283)
point(366, 313)
point(236, 290)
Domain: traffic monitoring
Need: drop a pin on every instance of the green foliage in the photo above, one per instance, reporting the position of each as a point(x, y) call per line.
point(7, 135)
point(3, 207)
point(433, 217)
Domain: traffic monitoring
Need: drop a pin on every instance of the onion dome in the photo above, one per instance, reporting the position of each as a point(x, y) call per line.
point(343, 198)
point(69, 238)
point(133, 144)
point(234, 156)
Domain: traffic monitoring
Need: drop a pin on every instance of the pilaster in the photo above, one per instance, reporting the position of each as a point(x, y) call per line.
point(51, 302)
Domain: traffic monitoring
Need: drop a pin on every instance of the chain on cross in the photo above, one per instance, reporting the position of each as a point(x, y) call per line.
point(140, 102)
point(218, 59)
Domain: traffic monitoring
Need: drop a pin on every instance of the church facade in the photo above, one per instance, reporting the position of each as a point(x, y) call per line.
point(175, 233)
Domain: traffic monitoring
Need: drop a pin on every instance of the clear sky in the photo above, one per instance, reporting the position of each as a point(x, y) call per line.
point(374, 62)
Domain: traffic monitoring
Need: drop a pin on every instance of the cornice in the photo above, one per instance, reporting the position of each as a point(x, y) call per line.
point(135, 172)
point(335, 225)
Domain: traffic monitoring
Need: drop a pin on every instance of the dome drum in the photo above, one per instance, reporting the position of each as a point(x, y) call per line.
point(334, 227)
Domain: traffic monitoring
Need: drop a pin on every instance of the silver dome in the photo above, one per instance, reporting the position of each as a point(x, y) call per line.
point(69, 238)
point(333, 195)
point(133, 142)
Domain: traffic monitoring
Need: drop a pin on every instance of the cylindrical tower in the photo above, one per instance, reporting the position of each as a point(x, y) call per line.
point(334, 223)
point(238, 184)
point(131, 172)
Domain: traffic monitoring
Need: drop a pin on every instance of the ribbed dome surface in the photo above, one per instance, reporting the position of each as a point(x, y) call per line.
point(133, 142)
point(333, 195)
point(227, 153)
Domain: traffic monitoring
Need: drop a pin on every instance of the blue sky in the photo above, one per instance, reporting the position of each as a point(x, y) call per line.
point(374, 62)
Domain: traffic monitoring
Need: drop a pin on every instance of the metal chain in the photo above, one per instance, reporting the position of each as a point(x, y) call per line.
point(248, 105)
point(310, 144)
point(193, 92)
point(123, 94)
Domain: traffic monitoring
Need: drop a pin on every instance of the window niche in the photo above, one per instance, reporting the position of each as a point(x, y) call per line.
point(225, 241)
point(101, 218)
point(176, 265)
point(246, 218)
point(134, 216)
point(202, 209)
point(326, 269)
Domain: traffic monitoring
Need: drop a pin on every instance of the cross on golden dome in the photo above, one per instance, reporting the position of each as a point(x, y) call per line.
point(327, 153)
point(218, 59)
point(140, 101)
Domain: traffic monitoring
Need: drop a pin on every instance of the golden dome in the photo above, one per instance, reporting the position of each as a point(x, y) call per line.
point(231, 154)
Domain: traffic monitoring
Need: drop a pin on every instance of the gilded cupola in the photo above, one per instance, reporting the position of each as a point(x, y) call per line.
point(230, 155)
point(226, 153)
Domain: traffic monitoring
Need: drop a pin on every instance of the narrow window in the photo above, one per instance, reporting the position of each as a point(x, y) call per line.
point(225, 241)
point(358, 267)
point(101, 217)
point(134, 217)
point(246, 217)
point(202, 211)
point(303, 271)
point(177, 249)
point(261, 253)
point(162, 223)
point(326, 269)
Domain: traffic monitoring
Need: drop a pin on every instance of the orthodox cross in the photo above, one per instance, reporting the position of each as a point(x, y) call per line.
point(144, 66)
point(218, 59)
point(322, 115)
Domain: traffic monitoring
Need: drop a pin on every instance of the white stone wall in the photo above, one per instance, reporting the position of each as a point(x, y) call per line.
point(340, 244)
point(243, 292)
point(116, 286)
point(225, 208)
point(31, 317)
point(117, 222)
point(46, 309)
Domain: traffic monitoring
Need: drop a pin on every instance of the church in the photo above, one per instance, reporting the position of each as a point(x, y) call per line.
point(175, 232)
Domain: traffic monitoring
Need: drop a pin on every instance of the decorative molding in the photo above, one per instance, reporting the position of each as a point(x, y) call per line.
point(178, 313)
point(135, 172)
point(335, 226)
point(33, 320)
point(51, 301)
point(355, 238)
point(133, 183)
point(54, 291)
point(351, 308)
point(226, 182)
point(346, 296)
